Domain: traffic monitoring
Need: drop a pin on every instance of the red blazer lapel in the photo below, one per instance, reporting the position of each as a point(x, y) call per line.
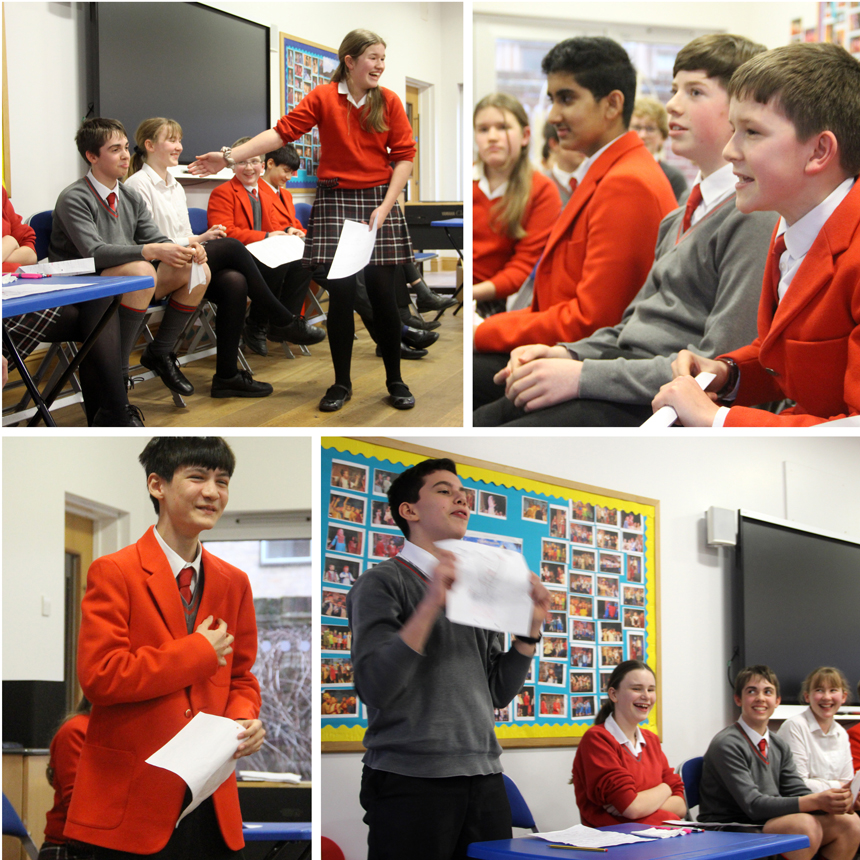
point(242, 198)
point(214, 588)
point(162, 584)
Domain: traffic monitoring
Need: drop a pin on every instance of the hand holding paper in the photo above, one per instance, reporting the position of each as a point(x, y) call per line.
point(354, 249)
point(666, 416)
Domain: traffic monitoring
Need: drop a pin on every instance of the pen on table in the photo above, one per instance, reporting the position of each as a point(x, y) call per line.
point(575, 847)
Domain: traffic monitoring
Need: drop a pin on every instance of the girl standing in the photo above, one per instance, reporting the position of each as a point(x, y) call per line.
point(513, 206)
point(620, 773)
point(363, 130)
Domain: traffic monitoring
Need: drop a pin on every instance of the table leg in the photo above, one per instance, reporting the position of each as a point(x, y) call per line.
point(31, 386)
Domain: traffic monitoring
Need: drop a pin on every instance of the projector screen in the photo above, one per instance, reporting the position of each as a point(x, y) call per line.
point(206, 69)
point(796, 602)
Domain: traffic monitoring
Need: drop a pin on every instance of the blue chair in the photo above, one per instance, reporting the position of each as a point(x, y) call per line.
point(303, 213)
point(13, 826)
point(691, 772)
point(198, 219)
point(521, 815)
point(42, 223)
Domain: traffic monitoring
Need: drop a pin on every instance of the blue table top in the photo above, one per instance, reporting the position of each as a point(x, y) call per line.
point(448, 222)
point(100, 289)
point(276, 831)
point(709, 843)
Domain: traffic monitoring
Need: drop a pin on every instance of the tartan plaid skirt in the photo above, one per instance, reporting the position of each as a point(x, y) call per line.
point(333, 206)
point(27, 331)
point(67, 851)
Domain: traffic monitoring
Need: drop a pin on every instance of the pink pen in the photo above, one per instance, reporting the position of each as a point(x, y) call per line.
point(31, 276)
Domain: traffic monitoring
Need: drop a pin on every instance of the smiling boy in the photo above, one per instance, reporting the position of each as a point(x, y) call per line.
point(601, 248)
point(432, 780)
point(167, 632)
point(99, 217)
point(749, 777)
point(795, 149)
point(701, 292)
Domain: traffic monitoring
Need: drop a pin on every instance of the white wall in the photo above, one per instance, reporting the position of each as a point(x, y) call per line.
point(46, 66)
point(687, 474)
point(272, 474)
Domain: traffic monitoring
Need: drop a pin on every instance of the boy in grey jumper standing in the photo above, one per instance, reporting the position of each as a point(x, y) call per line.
point(97, 216)
point(432, 779)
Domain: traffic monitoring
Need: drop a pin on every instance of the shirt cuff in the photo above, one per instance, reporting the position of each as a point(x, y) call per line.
point(720, 417)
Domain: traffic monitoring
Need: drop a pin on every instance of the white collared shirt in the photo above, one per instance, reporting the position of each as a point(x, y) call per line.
point(579, 173)
point(343, 89)
point(715, 188)
point(166, 202)
point(561, 176)
point(822, 760)
point(102, 190)
point(263, 179)
point(177, 562)
point(423, 560)
point(479, 175)
point(634, 747)
point(752, 734)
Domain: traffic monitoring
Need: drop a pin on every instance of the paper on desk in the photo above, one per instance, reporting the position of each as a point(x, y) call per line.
point(492, 590)
point(198, 276)
point(855, 786)
point(277, 250)
point(354, 249)
point(662, 833)
point(43, 285)
point(85, 266)
point(588, 837)
point(202, 755)
point(666, 416)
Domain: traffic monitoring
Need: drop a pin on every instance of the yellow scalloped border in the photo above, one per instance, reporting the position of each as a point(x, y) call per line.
point(515, 482)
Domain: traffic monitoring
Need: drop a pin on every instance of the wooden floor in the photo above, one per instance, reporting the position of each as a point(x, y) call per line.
point(436, 381)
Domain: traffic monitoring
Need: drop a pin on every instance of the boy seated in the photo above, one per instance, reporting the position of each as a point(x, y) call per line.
point(99, 217)
point(701, 292)
point(252, 211)
point(167, 632)
point(749, 777)
point(795, 150)
point(601, 248)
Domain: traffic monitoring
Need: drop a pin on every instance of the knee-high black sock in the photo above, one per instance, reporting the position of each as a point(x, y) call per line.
point(380, 282)
point(130, 324)
point(229, 292)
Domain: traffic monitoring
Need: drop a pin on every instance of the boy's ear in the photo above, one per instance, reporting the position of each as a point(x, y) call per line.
point(155, 484)
point(614, 105)
point(408, 512)
point(91, 157)
point(825, 152)
point(738, 701)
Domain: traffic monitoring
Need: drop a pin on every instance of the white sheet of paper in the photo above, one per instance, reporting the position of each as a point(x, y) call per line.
point(269, 776)
point(202, 755)
point(198, 276)
point(855, 786)
point(588, 837)
point(43, 285)
point(353, 249)
point(85, 266)
point(492, 590)
point(658, 833)
point(666, 416)
point(277, 250)
point(840, 423)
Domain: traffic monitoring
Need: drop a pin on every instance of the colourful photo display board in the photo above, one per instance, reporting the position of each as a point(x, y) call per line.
point(593, 551)
point(304, 65)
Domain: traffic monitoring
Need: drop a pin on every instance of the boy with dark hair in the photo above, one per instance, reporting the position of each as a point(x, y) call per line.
point(167, 632)
point(795, 150)
point(250, 212)
point(432, 782)
point(701, 292)
point(602, 246)
point(99, 217)
point(749, 777)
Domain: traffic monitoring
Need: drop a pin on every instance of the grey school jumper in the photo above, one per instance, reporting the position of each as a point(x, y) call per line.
point(701, 294)
point(429, 715)
point(737, 786)
point(84, 226)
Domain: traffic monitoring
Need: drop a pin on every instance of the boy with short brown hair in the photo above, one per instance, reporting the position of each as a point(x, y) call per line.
point(796, 150)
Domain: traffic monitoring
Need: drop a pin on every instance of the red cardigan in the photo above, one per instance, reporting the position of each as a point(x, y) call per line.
point(808, 345)
point(605, 773)
point(358, 158)
point(65, 751)
point(598, 254)
point(496, 256)
point(15, 227)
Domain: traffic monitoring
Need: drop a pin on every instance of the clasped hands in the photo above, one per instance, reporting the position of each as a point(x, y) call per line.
point(535, 377)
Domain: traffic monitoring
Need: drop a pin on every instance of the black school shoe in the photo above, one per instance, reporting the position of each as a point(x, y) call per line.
point(399, 396)
point(418, 322)
point(255, 338)
point(240, 385)
point(299, 331)
point(427, 300)
point(334, 398)
point(419, 339)
point(406, 352)
point(167, 367)
point(126, 416)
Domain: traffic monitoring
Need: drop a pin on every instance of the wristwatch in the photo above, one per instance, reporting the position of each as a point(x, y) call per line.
point(734, 375)
point(227, 154)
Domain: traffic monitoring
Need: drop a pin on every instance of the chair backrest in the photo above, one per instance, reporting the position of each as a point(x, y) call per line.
point(691, 772)
point(303, 213)
point(521, 815)
point(13, 826)
point(42, 223)
point(330, 849)
point(199, 222)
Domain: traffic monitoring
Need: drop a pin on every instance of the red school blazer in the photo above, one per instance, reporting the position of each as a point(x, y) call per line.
point(281, 204)
point(147, 677)
point(808, 345)
point(229, 205)
point(598, 253)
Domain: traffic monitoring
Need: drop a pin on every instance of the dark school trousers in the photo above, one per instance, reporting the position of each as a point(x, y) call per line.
point(431, 819)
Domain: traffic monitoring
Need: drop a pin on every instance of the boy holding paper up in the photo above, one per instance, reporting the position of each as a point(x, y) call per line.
point(432, 781)
point(167, 631)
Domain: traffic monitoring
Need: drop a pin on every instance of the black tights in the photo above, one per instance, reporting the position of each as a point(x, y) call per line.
point(380, 281)
point(100, 372)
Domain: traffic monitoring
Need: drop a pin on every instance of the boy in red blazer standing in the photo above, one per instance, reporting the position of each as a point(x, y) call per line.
point(167, 631)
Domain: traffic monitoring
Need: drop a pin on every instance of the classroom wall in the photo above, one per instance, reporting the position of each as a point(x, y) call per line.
point(687, 475)
point(271, 475)
point(47, 86)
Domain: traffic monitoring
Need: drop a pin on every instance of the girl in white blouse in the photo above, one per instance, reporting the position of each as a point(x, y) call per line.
point(818, 743)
